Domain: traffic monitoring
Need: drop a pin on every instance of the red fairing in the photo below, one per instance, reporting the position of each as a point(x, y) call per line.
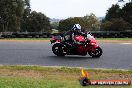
point(79, 38)
point(92, 40)
point(93, 43)
point(81, 49)
point(54, 38)
point(58, 40)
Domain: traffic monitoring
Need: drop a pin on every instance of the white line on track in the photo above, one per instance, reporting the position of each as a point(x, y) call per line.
point(126, 43)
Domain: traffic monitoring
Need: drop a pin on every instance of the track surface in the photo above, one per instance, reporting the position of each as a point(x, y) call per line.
point(115, 56)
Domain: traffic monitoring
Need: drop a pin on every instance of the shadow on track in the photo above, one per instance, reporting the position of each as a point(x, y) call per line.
point(71, 57)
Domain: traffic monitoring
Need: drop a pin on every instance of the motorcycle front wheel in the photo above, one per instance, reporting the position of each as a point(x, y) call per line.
point(97, 53)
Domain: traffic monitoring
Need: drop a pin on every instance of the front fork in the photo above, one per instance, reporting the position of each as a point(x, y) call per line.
point(91, 48)
point(94, 47)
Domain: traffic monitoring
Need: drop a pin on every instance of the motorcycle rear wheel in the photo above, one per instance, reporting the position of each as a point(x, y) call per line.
point(58, 49)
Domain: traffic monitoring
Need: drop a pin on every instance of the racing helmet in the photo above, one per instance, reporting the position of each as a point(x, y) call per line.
point(76, 28)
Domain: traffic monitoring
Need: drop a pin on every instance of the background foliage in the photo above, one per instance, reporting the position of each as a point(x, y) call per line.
point(16, 16)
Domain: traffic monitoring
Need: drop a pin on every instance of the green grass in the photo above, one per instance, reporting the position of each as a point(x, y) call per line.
point(54, 77)
point(30, 83)
point(42, 83)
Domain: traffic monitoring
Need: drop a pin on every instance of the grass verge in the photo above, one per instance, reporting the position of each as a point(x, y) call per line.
point(125, 39)
point(55, 77)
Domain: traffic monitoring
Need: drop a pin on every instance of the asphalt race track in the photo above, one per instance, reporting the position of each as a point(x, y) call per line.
point(115, 56)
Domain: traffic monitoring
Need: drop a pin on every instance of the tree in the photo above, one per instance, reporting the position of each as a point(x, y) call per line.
point(16, 16)
point(67, 24)
point(126, 12)
point(38, 22)
point(113, 12)
point(33, 21)
point(10, 14)
point(91, 22)
point(106, 26)
point(118, 19)
point(25, 18)
point(124, 0)
point(88, 23)
point(54, 25)
point(116, 24)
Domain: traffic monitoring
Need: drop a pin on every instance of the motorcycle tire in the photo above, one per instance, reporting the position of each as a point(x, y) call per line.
point(97, 53)
point(58, 49)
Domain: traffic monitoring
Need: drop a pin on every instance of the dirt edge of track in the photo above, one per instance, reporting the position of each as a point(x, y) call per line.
point(100, 41)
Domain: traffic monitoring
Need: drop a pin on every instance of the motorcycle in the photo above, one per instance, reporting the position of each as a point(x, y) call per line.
point(82, 46)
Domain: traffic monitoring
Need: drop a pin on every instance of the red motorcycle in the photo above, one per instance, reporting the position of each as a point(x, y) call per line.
point(82, 46)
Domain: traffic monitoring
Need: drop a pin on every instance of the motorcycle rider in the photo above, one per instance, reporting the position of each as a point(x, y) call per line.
point(69, 36)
